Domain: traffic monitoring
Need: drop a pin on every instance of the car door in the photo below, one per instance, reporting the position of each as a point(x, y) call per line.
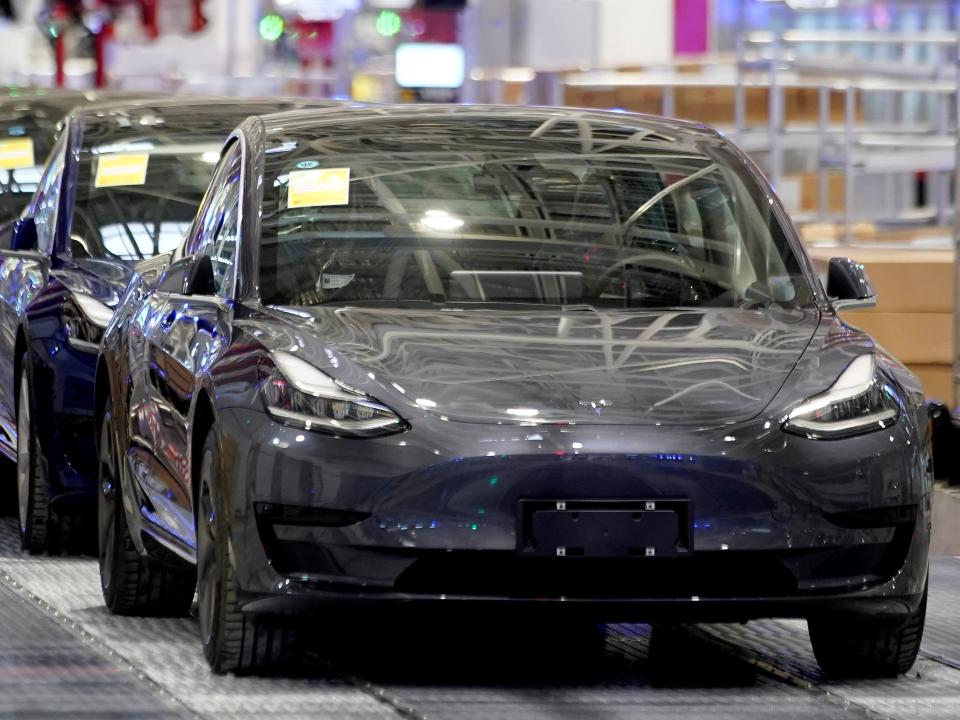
point(181, 336)
point(23, 274)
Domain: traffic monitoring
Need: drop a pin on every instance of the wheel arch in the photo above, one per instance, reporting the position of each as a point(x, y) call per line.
point(101, 391)
point(204, 418)
point(19, 348)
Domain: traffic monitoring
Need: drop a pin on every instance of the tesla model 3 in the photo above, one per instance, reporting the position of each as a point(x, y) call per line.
point(569, 360)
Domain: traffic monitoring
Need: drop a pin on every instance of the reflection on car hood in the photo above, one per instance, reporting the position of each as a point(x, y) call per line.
point(103, 279)
point(672, 367)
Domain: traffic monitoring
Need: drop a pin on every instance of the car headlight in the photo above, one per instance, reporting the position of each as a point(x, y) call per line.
point(860, 401)
point(84, 320)
point(296, 393)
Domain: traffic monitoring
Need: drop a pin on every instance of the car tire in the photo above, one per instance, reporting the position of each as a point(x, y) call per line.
point(864, 648)
point(8, 490)
point(131, 583)
point(232, 641)
point(33, 505)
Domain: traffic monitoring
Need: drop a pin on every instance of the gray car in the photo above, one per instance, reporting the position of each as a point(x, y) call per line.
point(568, 361)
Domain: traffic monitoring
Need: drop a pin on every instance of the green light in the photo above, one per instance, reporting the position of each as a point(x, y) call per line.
point(389, 23)
point(493, 480)
point(474, 526)
point(271, 27)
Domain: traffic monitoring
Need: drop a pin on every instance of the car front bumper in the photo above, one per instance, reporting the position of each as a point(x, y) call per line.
point(781, 525)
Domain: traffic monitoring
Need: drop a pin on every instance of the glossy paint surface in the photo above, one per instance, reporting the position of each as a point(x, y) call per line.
point(639, 405)
point(37, 288)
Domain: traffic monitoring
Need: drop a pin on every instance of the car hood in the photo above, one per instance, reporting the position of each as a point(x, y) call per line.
point(676, 367)
point(105, 280)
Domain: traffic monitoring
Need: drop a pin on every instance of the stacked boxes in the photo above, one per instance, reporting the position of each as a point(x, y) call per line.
point(914, 317)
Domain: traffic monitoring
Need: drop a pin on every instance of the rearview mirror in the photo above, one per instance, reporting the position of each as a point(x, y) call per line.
point(200, 280)
point(848, 285)
point(24, 237)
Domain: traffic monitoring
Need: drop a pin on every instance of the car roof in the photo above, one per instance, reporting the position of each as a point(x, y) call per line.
point(183, 119)
point(590, 123)
point(47, 107)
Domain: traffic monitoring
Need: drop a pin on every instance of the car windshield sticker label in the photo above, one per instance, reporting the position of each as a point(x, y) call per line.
point(16, 153)
point(121, 170)
point(319, 188)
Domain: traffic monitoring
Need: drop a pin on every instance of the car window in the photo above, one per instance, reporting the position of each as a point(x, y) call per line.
point(147, 207)
point(46, 200)
point(20, 182)
point(217, 228)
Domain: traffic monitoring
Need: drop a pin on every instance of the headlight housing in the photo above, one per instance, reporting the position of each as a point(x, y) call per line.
point(84, 321)
point(298, 394)
point(860, 401)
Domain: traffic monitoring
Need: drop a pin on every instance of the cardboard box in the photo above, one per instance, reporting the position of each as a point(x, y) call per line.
point(906, 280)
point(810, 192)
point(914, 338)
point(937, 381)
point(711, 105)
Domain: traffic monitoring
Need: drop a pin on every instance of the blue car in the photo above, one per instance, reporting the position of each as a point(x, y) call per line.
point(531, 359)
point(30, 121)
point(121, 185)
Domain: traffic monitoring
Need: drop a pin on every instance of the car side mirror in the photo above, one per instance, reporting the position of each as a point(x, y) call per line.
point(150, 269)
point(848, 285)
point(200, 280)
point(24, 235)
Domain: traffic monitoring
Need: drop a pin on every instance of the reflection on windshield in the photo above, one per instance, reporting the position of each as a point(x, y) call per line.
point(131, 240)
point(452, 209)
point(139, 211)
point(16, 188)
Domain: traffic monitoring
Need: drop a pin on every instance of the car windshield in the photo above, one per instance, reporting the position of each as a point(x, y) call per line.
point(134, 202)
point(23, 147)
point(496, 209)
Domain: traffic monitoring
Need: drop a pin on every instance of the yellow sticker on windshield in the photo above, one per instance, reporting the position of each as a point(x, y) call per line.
point(121, 169)
point(16, 153)
point(318, 188)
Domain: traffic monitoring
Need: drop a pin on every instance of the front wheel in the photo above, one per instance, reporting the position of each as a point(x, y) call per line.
point(131, 584)
point(32, 499)
point(865, 648)
point(232, 642)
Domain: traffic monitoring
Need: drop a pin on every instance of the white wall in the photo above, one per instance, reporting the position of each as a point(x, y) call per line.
point(635, 32)
point(229, 44)
point(561, 34)
point(25, 50)
point(565, 34)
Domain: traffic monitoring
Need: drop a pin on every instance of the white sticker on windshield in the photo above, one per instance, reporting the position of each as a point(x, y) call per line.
point(335, 282)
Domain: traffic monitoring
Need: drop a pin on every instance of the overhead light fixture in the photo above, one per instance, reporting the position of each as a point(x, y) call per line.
point(430, 65)
point(389, 23)
point(271, 27)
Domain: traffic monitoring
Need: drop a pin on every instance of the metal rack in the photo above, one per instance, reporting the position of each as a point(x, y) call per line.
point(858, 149)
